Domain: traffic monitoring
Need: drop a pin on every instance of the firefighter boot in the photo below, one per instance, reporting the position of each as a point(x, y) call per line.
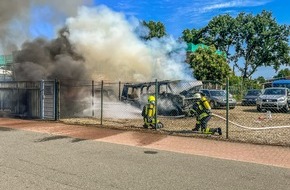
point(219, 130)
point(215, 130)
point(196, 129)
point(160, 125)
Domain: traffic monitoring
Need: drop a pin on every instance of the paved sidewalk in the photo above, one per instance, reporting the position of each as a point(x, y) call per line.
point(262, 154)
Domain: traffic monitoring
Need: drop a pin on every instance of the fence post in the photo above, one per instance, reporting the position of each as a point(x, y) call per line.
point(119, 90)
point(42, 99)
point(56, 100)
point(93, 98)
point(227, 110)
point(1, 100)
point(102, 89)
point(18, 99)
point(156, 109)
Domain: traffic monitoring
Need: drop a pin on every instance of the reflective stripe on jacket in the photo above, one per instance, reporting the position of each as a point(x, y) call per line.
point(200, 110)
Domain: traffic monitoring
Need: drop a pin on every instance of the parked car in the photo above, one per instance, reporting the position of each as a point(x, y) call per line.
point(274, 98)
point(217, 98)
point(251, 97)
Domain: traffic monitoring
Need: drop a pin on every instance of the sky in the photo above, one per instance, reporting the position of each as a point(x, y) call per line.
point(178, 15)
point(22, 20)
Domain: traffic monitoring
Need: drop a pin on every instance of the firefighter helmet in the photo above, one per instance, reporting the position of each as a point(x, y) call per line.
point(151, 99)
point(197, 96)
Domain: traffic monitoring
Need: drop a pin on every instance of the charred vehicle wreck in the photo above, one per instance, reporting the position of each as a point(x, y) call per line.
point(174, 98)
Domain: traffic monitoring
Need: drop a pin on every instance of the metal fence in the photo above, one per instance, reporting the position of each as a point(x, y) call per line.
point(28, 99)
point(119, 105)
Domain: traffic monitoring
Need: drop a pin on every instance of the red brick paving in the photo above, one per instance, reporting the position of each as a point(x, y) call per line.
point(262, 154)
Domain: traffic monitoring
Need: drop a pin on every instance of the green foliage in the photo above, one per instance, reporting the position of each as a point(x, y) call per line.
point(249, 41)
point(239, 85)
point(261, 42)
point(252, 84)
point(283, 73)
point(207, 65)
point(194, 36)
point(221, 32)
point(261, 80)
point(156, 30)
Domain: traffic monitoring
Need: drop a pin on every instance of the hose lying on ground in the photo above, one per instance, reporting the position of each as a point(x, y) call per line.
point(253, 128)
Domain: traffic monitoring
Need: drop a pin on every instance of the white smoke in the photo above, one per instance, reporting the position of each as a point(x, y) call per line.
point(113, 51)
point(102, 44)
point(106, 39)
point(169, 59)
point(17, 18)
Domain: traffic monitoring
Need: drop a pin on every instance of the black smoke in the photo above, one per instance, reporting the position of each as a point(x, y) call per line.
point(41, 59)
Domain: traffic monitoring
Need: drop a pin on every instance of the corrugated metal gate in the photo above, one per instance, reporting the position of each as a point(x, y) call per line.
point(48, 100)
point(28, 99)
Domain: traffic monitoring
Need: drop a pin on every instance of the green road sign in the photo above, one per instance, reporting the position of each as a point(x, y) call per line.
point(6, 59)
point(193, 47)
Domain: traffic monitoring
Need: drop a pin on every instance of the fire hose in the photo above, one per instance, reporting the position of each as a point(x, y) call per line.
point(252, 128)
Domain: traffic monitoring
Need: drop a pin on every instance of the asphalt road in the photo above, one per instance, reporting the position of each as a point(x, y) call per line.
point(36, 161)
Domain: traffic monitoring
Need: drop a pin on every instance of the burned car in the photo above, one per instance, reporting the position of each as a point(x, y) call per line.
point(174, 98)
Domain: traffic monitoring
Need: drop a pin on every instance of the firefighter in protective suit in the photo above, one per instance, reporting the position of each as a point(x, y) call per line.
point(202, 111)
point(148, 114)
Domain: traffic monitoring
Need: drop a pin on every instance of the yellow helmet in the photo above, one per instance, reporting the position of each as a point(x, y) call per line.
point(151, 99)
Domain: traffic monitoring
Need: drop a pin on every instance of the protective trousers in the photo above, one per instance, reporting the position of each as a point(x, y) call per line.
point(201, 126)
point(202, 123)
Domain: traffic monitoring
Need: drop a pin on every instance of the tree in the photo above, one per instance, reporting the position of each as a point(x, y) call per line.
point(208, 65)
point(219, 32)
point(156, 30)
point(249, 41)
point(222, 33)
point(283, 73)
point(261, 42)
point(260, 80)
point(194, 36)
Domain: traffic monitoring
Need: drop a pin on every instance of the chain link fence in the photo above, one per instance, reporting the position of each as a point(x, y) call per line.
point(119, 105)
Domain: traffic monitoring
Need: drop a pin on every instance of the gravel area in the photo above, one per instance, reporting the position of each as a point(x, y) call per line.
point(245, 125)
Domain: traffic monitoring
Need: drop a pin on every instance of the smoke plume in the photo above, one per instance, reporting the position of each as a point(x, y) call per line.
point(113, 51)
point(55, 59)
point(16, 17)
point(92, 43)
point(100, 44)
